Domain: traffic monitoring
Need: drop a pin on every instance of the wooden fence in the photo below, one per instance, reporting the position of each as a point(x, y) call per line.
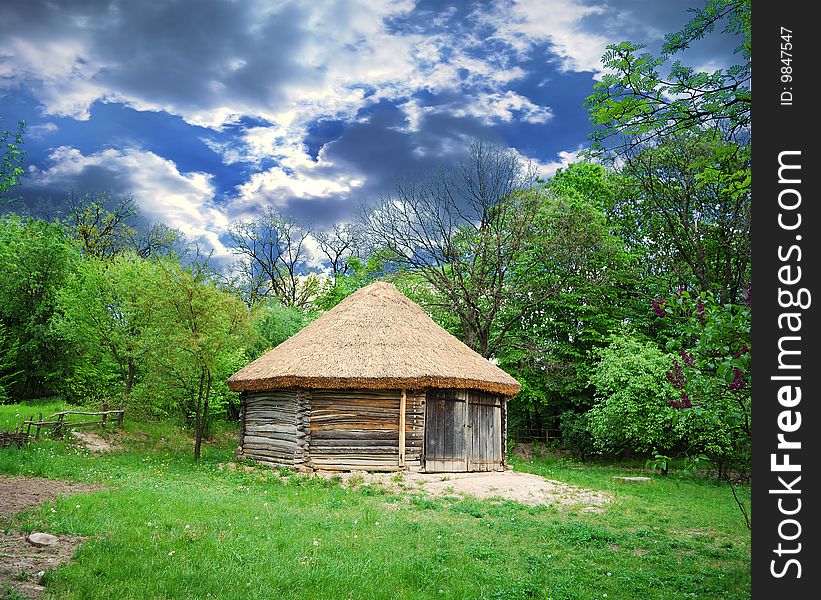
point(17, 437)
point(59, 423)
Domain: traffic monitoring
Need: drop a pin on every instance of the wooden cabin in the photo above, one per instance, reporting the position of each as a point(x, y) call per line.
point(374, 384)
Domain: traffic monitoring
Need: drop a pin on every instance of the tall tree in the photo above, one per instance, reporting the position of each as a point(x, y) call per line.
point(339, 244)
point(690, 208)
point(273, 253)
point(102, 312)
point(35, 261)
point(462, 230)
point(198, 333)
point(634, 104)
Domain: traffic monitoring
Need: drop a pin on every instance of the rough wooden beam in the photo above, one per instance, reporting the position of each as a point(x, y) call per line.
point(402, 401)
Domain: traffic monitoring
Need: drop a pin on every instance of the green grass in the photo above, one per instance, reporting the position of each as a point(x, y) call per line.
point(12, 415)
point(165, 527)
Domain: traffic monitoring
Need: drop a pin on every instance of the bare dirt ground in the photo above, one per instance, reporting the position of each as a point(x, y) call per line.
point(526, 488)
point(22, 565)
point(94, 442)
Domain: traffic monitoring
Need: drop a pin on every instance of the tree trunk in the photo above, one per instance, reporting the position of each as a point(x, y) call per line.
point(197, 436)
point(202, 413)
point(129, 380)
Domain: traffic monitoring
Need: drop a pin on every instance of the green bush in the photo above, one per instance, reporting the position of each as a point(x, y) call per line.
point(632, 410)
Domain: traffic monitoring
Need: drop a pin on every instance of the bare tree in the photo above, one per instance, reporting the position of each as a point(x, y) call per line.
point(339, 245)
point(464, 230)
point(273, 257)
point(100, 223)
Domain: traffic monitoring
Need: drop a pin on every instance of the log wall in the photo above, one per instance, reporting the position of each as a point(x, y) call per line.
point(275, 427)
point(359, 429)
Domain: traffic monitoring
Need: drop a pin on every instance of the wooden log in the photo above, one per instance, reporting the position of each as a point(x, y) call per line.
point(257, 439)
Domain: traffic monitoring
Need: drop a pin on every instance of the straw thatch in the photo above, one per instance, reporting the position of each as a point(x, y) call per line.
point(377, 339)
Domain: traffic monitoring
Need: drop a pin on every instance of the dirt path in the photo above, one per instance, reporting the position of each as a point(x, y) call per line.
point(22, 565)
point(526, 488)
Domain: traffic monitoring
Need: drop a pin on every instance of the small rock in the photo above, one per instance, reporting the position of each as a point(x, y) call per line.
point(634, 479)
point(42, 540)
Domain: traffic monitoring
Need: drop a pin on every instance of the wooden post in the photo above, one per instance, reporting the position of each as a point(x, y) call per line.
point(402, 403)
point(120, 419)
point(39, 420)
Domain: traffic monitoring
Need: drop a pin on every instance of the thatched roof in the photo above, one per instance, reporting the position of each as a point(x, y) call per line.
point(376, 338)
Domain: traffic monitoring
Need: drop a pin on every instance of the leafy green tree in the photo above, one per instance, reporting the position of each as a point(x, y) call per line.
point(101, 311)
point(274, 323)
point(711, 373)
point(36, 260)
point(197, 337)
point(577, 257)
point(11, 157)
point(636, 104)
point(632, 410)
point(687, 211)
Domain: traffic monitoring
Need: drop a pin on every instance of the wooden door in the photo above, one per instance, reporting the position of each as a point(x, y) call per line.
point(484, 432)
point(446, 440)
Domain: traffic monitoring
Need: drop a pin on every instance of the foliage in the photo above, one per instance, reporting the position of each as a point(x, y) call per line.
point(103, 314)
point(589, 274)
point(688, 211)
point(35, 261)
point(11, 157)
point(712, 376)
point(10, 371)
point(194, 338)
point(632, 410)
point(274, 323)
point(635, 102)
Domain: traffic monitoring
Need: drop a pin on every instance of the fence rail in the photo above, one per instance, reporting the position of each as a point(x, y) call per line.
point(524, 435)
point(58, 421)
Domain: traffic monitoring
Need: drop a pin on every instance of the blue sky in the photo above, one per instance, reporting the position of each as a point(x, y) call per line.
point(208, 111)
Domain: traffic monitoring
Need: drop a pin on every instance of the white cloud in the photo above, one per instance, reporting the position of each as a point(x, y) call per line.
point(523, 23)
point(565, 158)
point(163, 193)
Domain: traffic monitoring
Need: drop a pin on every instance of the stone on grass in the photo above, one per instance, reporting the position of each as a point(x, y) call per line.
point(42, 540)
point(634, 479)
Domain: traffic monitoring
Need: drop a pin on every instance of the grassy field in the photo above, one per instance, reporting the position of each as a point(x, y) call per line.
point(165, 527)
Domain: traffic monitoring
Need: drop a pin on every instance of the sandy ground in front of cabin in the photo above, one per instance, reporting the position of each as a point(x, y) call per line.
point(526, 488)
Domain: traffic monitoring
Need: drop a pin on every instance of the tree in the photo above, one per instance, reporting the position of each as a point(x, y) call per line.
point(590, 279)
point(35, 261)
point(100, 224)
point(102, 312)
point(690, 211)
point(634, 103)
point(711, 373)
point(632, 410)
point(272, 256)
point(198, 336)
point(11, 157)
point(340, 245)
point(462, 230)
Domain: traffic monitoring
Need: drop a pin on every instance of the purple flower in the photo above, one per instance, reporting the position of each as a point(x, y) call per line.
point(687, 358)
point(658, 308)
point(700, 311)
point(676, 377)
point(683, 403)
point(748, 295)
point(739, 382)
